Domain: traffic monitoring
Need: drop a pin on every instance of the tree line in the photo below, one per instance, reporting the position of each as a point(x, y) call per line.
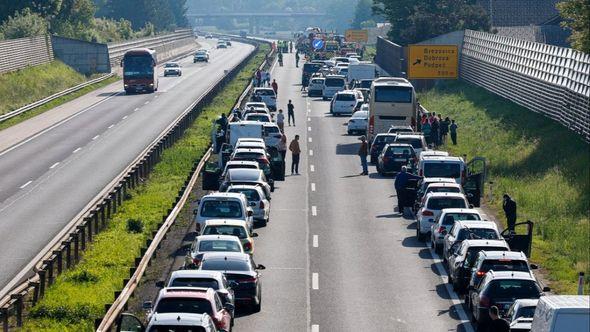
point(91, 20)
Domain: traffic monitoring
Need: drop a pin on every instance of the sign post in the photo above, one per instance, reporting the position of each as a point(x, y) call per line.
point(318, 44)
point(358, 36)
point(433, 62)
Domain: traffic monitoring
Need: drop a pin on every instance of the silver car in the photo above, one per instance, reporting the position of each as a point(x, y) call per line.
point(257, 200)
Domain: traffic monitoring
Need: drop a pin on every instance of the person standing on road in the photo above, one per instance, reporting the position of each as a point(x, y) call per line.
point(290, 47)
point(275, 87)
point(444, 130)
point(497, 324)
point(282, 147)
point(363, 151)
point(509, 206)
point(258, 78)
point(295, 153)
point(401, 180)
point(426, 129)
point(453, 131)
point(280, 58)
point(296, 59)
point(290, 113)
point(281, 121)
point(434, 128)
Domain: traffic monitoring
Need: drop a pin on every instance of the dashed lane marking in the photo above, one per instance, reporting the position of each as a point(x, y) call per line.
point(111, 126)
point(315, 282)
point(135, 110)
point(309, 139)
point(147, 102)
point(308, 128)
point(312, 186)
point(314, 211)
point(311, 152)
point(125, 117)
point(77, 150)
point(54, 165)
point(315, 241)
point(95, 137)
point(312, 168)
point(315, 328)
point(26, 184)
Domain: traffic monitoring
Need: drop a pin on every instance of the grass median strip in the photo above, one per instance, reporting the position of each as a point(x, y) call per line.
point(78, 296)
point(540, 163)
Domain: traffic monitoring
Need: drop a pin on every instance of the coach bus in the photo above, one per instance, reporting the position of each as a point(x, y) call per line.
point(139, 70)
point(392, 103)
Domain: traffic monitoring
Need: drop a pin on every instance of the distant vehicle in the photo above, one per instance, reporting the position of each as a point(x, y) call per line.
point(172, 69)
point(209, 36)
point(431, 209)
point(207, 243)
point(201, 55)
point(558, 313)
point(139, 72)
point(357, 122)
point(228, 42)
point(246, 176)
point(446, 220)
point(393, 157)
point(243, 33)
point(256, 104)
point(343, 102)
point(272, 134)
point(315, 87)
point(243, 129)
point(309, 68)
point(393, 102)
point(361, 71)
point(268, 96)
point(498, 261)
point(520, 315)
point(333, 84)
point(401, 129)
point(221, 44)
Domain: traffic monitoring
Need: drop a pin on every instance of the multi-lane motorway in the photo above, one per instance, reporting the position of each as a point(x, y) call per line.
point(52, 172)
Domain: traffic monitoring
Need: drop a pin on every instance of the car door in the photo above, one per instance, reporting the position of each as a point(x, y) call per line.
point(129, 323)
point(277, 165)
point(211, 175)
point(475, 180)
point(521, 238)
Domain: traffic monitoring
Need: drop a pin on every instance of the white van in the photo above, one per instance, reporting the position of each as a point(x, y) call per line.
point(442, 167)
point(333, 84)
point(361, 71)
point(245, 129)
point(556, 313)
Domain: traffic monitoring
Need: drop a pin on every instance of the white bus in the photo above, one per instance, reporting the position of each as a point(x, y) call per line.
point(393, 103)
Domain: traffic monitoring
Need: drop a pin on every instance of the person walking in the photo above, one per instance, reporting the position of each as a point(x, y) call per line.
point(282, 147)
point(434, 128)
point(290, 47)
point(290, 113)
point(281, 121)
point(497, 323)
point(453, 130)
point(275, 87)
point(266, 78)
point(295, 153)
point(401, 180)
point(509, 206)
point(426, 129)
point(280, 58)
point(444, 130)
point(296, 59)
point(258, 78)
point(363, 151)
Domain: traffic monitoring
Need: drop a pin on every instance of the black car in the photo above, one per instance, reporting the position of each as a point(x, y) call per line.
point(309, 69)
point(394, 156)
point(379, 141)
point(241, 269)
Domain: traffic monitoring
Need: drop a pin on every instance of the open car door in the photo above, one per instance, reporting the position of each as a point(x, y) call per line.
point(475, 180)
point(129, 323)
point(211, 175)
point(277, 164)
point(411, 192)
point(521, 238)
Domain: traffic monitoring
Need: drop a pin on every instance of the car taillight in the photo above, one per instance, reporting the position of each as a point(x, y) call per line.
point(264, 161)
point(441, 229)
point(420, 173)
point(480, 273)
point(261, 205)
point(484, 301)
point(248, 280)
point(427, 213)
point(248, 246)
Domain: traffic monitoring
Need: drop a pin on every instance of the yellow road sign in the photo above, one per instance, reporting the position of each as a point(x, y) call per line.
point(357, 35)
point(433, 61)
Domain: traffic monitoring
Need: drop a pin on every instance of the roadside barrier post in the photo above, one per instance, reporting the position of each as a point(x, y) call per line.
point(68, 250)
point(58, 256)
point(18, 308)
point(82, 232)
point(4, 313)
point(41, 282)
point(581, 283)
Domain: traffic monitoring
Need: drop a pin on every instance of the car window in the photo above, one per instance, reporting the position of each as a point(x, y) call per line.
point(443, 190)
point(334, 82)
point(345, 97)
point(219, 245)
point(416, 143)
point(504, 265)
point(195, 282)
point(513, 289)
point(439, 203)
point(473, 251)
point(187, 305)
point(251, 194)
point(221, 209)
point(399, 150)
point(525, 312)
point(477, 233)
point(238, 231)
point(269, 130)
point(223, 265)
point(442, 170)
point(248, 155)
point(176, 328)
point(450, 218)
point(241, 166)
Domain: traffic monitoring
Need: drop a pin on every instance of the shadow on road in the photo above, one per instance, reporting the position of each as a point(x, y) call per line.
point(411, 242)
point(347, 149)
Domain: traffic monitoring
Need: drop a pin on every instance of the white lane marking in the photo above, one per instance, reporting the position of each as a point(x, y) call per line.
point(454, 298)
point(311, 152)
point(77, 150)
point(156, 96)
point(312, 168)
point(147, 102)
point(315, 328)
point(125, 117)
point(308, 128)
point(54, 165)
point(309, 139)
point(308, 110)
point(315, 241)
point(308, 119)
point(314, 210)
point(26, 184)
point(315, 282)
point(95, 137)
point(111, 126)
point(135, 110)
point(312, 186)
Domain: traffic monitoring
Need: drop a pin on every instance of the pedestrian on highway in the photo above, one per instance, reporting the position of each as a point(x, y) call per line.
point(266, 78)
point(281, 121)
point(280, 58)
point(401, 180)
point(258, 77)
point(431, 117)
point(363, 151)
point(426, 129)
point(453, 131)
point(290, 113)
point(295, 153)
point(509, 206)
point(497, 324)
point(444, 130)
point(296, 59)
point(290, 47)
point(275, 87)
point(434, 129)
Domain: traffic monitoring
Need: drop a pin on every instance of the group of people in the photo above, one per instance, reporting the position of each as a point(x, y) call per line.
point(294, 145)
point(435, 129)
point(261, 78)
point(283, 46)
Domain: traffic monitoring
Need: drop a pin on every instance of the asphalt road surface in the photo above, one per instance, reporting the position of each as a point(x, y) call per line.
point(48, 178)
point(337, 255)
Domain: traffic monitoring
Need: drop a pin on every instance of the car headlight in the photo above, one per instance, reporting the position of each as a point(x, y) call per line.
point(151, 84)
point(126, 85)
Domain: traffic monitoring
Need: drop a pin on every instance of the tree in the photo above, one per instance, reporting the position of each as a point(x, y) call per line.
point(23, 24)
point(74, 19)
point(44, 8)
point(576, 15)
point(362, 13)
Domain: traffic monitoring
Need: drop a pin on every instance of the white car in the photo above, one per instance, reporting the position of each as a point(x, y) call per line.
point(462, 230)
point(257, 200)
point(445, 221)
point(256, 105)
point(433, 204)
point(344, 102)
point(201, 55)
point(208, 243)
point(416, 140)
point(244, 144)
point(223, 206)
point(272, 134)
point(221, 44)
point(172, 69)
point(316, 84)
point(440, 166)
point(260, 117)
point(268, 96)
point(333, 84)
point(358, 122)
point(171, 321)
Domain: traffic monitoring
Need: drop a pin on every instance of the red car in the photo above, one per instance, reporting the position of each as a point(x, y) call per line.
point(196, 300)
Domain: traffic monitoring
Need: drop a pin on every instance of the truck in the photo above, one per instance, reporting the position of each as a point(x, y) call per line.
point(361, 71)
point(139, 70)
point(557, 313)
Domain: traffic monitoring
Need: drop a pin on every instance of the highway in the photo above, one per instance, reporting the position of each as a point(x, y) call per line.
point(50, 176)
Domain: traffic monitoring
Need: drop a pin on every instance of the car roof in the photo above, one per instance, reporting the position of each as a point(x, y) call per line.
point(179, 319)
point(346, 92)
point(443, 184)
point(431, 180)
point(250, 139)
point(409, 135)
point(224, 195)
point(526, 302)
point(242, 162)
point(194, 292)
point(265, 89)
point(444, 195)
point(217, 237)
point(484, 243)
point(395, 126)
point(511, 275)
point(428, 158)
point(567, 301)
point(403, 145)
point(433, 153)
point(458, 210)
point(229, 222)
point(386, 134)
point(197, 273)
point(476, 224)
point(245, 172)
point(228, 255)
point(495, 254)
point(246, 186)
point(255, 150)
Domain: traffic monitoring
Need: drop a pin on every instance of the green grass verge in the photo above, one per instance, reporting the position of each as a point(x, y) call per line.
point(540, 163)
point(56, 102)
point(78, 296)
point(370, 52)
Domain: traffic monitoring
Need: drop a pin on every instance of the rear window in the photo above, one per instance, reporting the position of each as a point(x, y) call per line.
point(393, 94)
point(271, 130)
point(176, 328)
point(219, 245)
point(311, 67)
point(222, 265)
point(443, 190)
point(265, 92)
point(195, 282)
point(334, 82)
point(473, 251)
point(416, 143)
point(366, 84)
point(221, 209)
point(255, 117)
point(504, 265)
point(345, 97)
point(251, 194)
point(398, 150)
point(446, 203)
point(442, 170)
point(513, 289)
point(316, 81)
point(241, 166)
point(248, 155)
point(450, 218)
point(238, 231)
point(384, 139)
point(477, 233)
point(192, 305)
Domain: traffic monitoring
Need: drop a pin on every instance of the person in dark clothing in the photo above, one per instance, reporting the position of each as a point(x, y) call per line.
point(290, 112)
point(222, 121)
point(497, 324)
point(434, 128)
point(363, 151)
point(509, 206)
point(295, 154)
point(297, 59)
point(453, 131)
point(275, 86)
point(401, 180)
point(444, 130)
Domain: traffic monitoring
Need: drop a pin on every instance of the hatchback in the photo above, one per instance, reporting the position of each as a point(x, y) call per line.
point(344, 102)
point(467, 229)
point(433, 204)
point(357, 122)
point(445, 221)
point(498, 261)
point(256, 199)
point(207, 243)
point(236, 228)
point(394, 156)
point(315, 87)
point(268, 96)
point(417, 141)
point(379, 141)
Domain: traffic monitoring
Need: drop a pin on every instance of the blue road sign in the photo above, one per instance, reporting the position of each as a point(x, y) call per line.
point(318, 44)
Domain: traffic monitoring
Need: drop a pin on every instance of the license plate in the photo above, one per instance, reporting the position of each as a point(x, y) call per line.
point(399, 160)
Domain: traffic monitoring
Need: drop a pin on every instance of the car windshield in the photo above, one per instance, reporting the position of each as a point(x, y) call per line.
point(443, 190)
point(416, 143)
point(219, 245)
point(175, 328)
point(138, 66)
point(439, 203)
point(513, 289)
point(225, 265)
point(195, 282)
point(238, 231)
point(477, 233)
point(251, 194)
point(442, 170)
point(400, 151)
point(241, 166)
point(525, 312)
point(366, 84)
point(186, 305)
point(380, 139)
point(450, 218)
point(360, 115)
point(393, 94)
point(334, 82)
point(504, 265)
point(171, 65)
point(221, 209)
point(256, 117)
point(345, 97)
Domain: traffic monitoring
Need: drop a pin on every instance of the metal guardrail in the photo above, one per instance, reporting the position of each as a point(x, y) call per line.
point(46, 100)
point(121, 300)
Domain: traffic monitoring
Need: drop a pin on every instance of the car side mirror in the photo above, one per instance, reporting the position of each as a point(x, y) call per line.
point(160, 284)
point(233, 284)
point(260, 267)
point(250, 213)
point(471, 206)
point(229, 307)
point(534, 266)
point(147, 305)
point(254, 234)
point(252, 204)
point(546, 289)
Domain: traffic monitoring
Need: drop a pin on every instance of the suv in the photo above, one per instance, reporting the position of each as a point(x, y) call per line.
point(268, 96)
point(446, 167)
point(223, 206)
point(431, 208)
point(445, 221)
point(256, 199)
point(316, 84)
point(468, 229)
point(201, 55)
point(464, 258)
point(333, 84)
point(394, 156)
point(344, 102)
point(498, 261)
point(501, 289)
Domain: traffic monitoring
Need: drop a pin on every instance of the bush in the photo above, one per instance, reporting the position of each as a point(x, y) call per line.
point(134, 226)
point(23, 24)
point(83, 277)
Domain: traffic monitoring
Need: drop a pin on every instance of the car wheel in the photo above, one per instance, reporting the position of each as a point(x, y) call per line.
point(256, 307)
point(438, 249)
point(349, 132)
